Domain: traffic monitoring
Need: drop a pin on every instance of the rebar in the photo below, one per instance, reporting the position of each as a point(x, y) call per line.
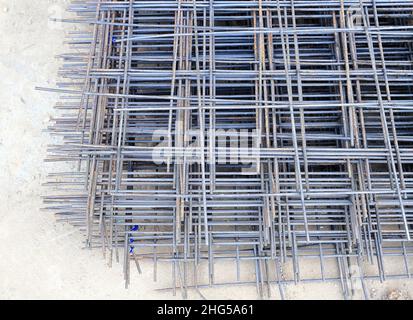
point(260, 133)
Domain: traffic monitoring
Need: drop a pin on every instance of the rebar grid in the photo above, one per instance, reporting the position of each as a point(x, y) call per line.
point(321, 89)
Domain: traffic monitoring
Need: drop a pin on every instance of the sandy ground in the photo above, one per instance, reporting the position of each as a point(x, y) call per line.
point(42, 259)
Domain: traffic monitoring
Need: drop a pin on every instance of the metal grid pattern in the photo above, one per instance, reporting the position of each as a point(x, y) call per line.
point(322, 92)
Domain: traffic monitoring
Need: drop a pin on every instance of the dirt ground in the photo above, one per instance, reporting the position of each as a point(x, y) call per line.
point(43, 259)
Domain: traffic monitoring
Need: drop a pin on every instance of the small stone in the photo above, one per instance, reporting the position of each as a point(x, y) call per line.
point(5, 9)
point(395, 295)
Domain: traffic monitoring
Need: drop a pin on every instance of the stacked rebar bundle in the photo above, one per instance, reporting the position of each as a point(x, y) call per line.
point(258, 133)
